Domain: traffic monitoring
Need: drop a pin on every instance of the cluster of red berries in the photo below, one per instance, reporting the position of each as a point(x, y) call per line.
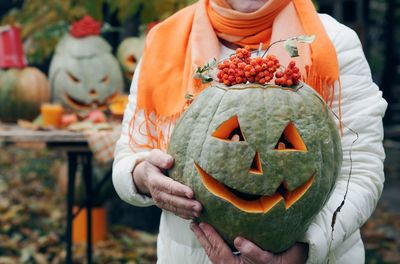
point(242, 68)
point(288, 77)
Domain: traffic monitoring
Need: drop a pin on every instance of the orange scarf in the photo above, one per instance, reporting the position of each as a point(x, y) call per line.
point(190, 38)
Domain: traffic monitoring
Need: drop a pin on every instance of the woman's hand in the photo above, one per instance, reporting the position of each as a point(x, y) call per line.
point(220, 253)
point(166, 193)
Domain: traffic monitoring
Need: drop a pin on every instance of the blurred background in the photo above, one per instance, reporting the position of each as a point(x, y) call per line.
point(32, 214)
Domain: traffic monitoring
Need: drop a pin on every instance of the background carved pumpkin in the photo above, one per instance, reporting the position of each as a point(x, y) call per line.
point(22, 91)
point(129, 53)
point(261, 159)
point(84, 74)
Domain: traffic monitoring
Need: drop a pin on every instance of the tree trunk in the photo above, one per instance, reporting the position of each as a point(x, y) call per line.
point(389, 69)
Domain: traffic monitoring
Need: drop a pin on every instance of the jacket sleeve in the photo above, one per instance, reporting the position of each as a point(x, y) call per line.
point(362, 109)
point(125, 158)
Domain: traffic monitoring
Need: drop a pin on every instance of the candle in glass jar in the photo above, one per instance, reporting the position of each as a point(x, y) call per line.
point(51, 114)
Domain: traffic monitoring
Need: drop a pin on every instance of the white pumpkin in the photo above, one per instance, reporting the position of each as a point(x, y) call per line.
point(84, 74)
point(129, 53)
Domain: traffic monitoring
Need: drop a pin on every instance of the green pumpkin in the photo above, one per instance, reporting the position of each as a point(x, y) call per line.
point(22, 91)
point(84, 75)
point(262, 160)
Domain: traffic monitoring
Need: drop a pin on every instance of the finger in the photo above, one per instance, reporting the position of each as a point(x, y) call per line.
point(198, 232)
point(298, 253)
point(213, 236)
point(160, 159)
point(163, 183)
point(251, 252)
point(185, 214)
point(176, 204)
point(219, 249)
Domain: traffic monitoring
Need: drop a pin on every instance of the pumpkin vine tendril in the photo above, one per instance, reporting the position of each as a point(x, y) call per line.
point(334, 216)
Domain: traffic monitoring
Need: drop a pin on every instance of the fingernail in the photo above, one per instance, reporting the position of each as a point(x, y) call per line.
point(196, 207)
point(169, 160)
point(195, 213)
point(238, 241)
point(189, 195)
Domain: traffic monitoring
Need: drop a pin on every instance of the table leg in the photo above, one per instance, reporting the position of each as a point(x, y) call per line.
point(87, 173)
point(72, 166)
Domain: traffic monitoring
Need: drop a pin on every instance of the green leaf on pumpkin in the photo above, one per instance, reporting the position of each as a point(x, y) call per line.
point(205, 78)
point(306, 39)
point(291, 47)
point(201, 73)
point(207, 67)
point(291, 44)
point(189, 96)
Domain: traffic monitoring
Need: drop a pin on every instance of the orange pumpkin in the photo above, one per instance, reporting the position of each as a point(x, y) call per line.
point(117, 107)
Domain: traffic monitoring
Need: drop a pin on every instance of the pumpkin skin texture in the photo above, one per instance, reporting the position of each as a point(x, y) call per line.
point(252, 186)
point(84, 75)
point(22, 91)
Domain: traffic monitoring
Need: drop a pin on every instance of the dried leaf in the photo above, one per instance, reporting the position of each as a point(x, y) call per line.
point(11, 213)
point(40, 258)
point(25, 124)
point(8, 260)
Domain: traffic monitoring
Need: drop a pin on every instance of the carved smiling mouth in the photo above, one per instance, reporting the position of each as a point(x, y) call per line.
point(95, 104)
point(254, 203)
point(129, 74)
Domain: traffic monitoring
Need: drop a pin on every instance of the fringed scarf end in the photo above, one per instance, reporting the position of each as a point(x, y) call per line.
point(153, 132)
point(326, 87)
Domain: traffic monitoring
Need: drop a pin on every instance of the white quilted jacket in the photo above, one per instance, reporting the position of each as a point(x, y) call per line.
point(363, 108)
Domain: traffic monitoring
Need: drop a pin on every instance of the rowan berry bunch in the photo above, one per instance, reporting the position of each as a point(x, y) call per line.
point(288, 77)
point(242, 68)
point(232, 71)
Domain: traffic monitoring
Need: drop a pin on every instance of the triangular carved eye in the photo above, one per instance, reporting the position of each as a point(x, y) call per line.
point(290, 140)
point(256, 167)
point(229, 130)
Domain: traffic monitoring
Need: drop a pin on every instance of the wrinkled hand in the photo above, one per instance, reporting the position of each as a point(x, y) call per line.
point(166, 193)
point(220, 253)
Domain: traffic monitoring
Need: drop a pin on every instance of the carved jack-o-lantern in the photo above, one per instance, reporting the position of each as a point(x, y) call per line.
point(84, 74)
point(129, 53)
point(262, 160)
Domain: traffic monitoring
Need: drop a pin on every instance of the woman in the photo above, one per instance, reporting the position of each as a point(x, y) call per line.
point(212, 28)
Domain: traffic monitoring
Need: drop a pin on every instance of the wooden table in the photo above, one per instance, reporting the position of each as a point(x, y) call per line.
point(76, 147)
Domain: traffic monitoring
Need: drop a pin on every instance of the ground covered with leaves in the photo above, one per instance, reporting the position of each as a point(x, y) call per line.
point(32, 216)
point(32, 219)
point(381, 235)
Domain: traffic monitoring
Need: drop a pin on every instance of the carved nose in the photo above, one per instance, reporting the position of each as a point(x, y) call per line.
point(93, 93)
point(256, 167)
